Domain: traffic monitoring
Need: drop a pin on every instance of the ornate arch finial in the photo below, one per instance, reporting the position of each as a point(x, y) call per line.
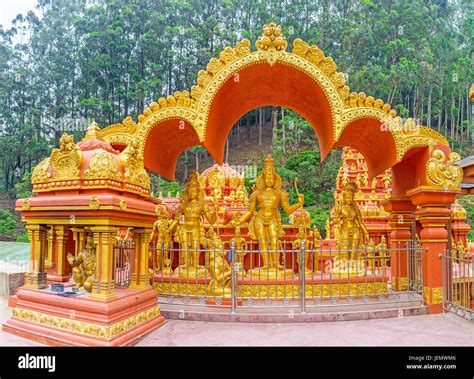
point(272, 43)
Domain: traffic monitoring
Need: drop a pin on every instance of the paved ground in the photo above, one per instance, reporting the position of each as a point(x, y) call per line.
point(434, 330)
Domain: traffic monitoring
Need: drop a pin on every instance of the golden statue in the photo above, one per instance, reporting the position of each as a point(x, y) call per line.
point(162, 230)
point(266, 226)
point(328, 229)
point(213, 241)
point(221, 273)
point(240, 246)
point(298, 245)
point(189, 230)
point(387, 179)
point(316, 237)
point(383, 251)
point(84, 265)
point(374, 183)
point(348, 218)
point(371, 255)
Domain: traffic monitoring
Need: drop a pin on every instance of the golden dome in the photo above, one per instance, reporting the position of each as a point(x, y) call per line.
point(89, 164)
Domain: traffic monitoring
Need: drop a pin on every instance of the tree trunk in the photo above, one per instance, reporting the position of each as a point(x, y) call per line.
point(452, 115)
point(238, 135)
point(260, 122)
point(428, 117)
point(248, 126)
point(186, 165)
point(227, 151)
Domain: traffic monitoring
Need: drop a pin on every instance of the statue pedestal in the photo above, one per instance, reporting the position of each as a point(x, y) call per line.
point(347, 267)
point(190, 272)
point(264, 273)
point(48, 318)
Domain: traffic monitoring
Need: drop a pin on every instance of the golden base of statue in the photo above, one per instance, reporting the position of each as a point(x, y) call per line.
point(308, 273)
point(190, 272)
point(272, 273)
point(167, 271)
point(220, 292)
point(347, 267)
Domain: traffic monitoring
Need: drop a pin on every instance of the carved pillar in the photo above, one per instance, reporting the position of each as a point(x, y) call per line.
point(433, 212)
point(103, 286)
point(79, 239)
point(36, 277)
point(402, 214)
point(140, 273)
point(49, 260)
point(56, 257)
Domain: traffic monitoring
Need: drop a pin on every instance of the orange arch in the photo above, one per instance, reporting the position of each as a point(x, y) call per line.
point(263, 85)
point(165, 142)
point(374, 142)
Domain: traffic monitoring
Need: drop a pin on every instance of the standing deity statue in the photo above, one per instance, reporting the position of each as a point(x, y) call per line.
point(351, 228)
point(189, 227)
point(162, 230)
point(265, 225)
point(84, 265)
point(240, 246)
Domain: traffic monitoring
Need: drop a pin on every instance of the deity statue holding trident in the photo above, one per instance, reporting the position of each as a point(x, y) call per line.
point(265, 226)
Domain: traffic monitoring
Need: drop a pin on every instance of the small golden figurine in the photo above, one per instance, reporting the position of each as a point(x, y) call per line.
point(328, 229)
point(84, 265)
point(384, 253)
point(298, 245)
point(371, 255)
point(240, 246)
point(188, 234)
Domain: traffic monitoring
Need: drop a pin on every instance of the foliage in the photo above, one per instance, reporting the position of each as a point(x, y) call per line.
point(467, 202)
point(23, 188)
point(22, 238)
point(7, 222)
point(318, 218)
point(158, 184)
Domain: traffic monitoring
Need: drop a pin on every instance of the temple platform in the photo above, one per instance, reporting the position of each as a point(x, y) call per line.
point(259, 313)
point(46, 317)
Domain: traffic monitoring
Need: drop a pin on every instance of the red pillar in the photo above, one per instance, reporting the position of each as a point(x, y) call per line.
point(402, 214)
point(433, 212)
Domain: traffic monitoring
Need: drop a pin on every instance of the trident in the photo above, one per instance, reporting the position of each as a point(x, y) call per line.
point(295, 182)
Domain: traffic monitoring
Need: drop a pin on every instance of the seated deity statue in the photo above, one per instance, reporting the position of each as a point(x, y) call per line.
point(84, 265)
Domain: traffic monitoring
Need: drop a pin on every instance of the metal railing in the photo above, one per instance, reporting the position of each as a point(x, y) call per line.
point(122, 264)
point(458, 283)
point(303, 277)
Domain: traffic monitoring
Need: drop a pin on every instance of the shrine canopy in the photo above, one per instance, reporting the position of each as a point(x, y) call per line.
point(242, 79)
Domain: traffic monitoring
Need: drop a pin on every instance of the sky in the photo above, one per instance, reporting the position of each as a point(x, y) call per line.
point(10, 8)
